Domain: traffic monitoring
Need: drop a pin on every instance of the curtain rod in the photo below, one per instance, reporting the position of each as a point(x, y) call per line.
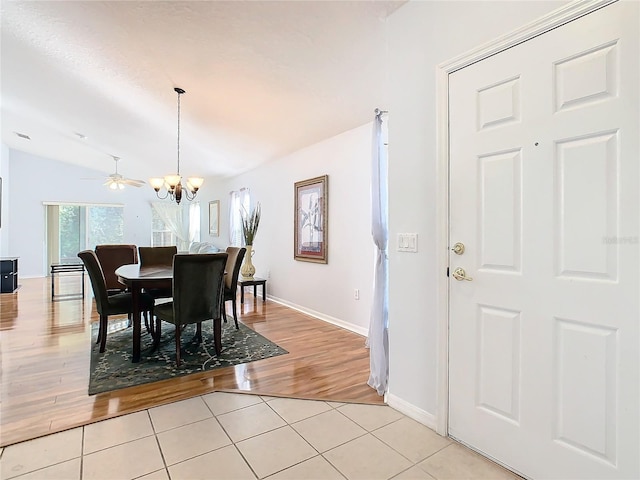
point(377, 111)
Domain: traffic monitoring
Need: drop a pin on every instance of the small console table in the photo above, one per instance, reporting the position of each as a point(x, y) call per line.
point(58, 268)
point(255, 281)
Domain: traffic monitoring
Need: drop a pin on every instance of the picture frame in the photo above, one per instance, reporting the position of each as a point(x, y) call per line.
point(214, 218)
point(310, 227)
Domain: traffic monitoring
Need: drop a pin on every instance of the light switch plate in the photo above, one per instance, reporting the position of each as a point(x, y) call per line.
point(407, 242)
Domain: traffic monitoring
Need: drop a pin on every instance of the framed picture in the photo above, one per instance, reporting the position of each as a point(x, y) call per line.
point(310, 220)
point(214, 218)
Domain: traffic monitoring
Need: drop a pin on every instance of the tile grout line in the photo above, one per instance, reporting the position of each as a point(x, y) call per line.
point(155, 433)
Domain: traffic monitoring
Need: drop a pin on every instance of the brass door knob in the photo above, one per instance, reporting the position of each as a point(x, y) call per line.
point(459, 274)
point(458, 248)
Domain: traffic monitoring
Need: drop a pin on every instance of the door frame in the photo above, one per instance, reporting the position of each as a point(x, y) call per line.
point(537, 27)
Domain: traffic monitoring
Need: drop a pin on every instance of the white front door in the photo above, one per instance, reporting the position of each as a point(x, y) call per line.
point(544, 181)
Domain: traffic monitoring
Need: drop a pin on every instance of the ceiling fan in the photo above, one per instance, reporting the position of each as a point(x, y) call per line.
point(116, 181)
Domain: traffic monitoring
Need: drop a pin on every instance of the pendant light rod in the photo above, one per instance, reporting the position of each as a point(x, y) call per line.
point(179, 91)
point(173, 183)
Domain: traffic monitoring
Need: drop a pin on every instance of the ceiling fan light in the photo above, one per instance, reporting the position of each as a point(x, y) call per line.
point(113, 186)
point(156, 183)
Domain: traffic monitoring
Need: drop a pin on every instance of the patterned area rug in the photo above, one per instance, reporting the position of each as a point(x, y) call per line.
point(113, 369)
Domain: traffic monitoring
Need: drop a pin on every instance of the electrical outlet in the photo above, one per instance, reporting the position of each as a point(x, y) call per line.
point(356, 294)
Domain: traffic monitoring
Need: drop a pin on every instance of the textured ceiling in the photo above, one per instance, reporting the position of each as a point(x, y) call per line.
point(262, 79)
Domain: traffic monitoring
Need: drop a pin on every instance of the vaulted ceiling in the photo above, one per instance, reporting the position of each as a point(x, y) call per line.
point(86, 80)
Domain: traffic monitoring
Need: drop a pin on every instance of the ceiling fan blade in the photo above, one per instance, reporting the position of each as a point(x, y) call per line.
point(133, 182)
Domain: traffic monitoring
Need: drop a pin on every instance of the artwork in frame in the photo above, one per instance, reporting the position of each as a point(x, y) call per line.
point(310, 222)
point(214, 218)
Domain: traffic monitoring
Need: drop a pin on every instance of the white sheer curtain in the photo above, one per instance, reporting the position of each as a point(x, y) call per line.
point(237, 200)
point(194, 222)
point(378, 340)
point(173, 215)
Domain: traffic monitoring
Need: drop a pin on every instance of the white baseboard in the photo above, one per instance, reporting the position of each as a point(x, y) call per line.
point(321, 316)
point(411, 411)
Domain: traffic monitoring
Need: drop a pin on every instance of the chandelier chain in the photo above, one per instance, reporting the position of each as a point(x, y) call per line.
point(179, 93)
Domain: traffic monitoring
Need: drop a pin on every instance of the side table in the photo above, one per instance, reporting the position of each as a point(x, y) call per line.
point(255, 281)
point(59, 268)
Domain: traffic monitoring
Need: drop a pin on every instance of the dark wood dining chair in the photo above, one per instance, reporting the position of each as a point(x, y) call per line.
point(157, 256)
point(234, 262)
point(111, 257)
point(197, 296)
point(107, 305)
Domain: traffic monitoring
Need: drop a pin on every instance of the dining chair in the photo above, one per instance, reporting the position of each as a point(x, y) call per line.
point(197, 296)
point(157, 256)
point(234, 262)
point(107, 305)
point(150, 256)
point(111, 257)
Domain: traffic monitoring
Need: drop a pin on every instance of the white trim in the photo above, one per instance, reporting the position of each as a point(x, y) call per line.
point(550, 21)
point(411, 411)
point(442, 252)
point(321, 316)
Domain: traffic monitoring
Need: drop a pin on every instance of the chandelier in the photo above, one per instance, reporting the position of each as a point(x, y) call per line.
point(173, 182)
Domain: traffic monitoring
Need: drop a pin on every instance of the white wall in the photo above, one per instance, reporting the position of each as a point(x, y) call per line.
point(4, 173)
point(327, 290)
point(34, 180)
point(421, 36)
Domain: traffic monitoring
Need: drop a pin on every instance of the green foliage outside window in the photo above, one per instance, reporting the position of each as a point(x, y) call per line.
point(84, 227)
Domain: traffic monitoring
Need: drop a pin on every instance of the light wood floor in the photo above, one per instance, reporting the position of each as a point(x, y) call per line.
point(45, 347)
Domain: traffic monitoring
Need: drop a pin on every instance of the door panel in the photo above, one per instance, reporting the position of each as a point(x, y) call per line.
point(544, 182)
point(583, 214)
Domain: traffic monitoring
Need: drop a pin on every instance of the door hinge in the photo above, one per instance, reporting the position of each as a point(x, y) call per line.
point(447, 271)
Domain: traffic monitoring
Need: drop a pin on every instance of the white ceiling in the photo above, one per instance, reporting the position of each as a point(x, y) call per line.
point(262, 79)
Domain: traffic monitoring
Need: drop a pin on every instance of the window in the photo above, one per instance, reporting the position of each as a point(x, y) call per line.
point(72, 228)
point(173, 224)
point(161, 235)
point(238, 201)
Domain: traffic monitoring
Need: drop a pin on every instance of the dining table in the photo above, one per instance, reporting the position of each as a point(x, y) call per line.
point(137, 277)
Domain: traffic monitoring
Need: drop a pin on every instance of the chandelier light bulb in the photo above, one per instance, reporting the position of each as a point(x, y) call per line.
point(172, 180)
point(195, 183)
point(156, 183)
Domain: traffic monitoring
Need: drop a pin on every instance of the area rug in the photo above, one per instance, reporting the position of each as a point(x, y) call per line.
point(113, 369)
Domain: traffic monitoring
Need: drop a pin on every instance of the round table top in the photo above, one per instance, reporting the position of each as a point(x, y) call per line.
point(136, 272)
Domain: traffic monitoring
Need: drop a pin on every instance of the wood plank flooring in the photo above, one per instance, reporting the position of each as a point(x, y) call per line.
point(45, 347)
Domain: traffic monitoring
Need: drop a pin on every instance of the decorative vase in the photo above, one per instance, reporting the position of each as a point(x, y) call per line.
point(248, 270)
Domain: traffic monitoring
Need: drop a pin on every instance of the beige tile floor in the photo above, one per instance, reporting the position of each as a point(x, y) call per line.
point(239, 436)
